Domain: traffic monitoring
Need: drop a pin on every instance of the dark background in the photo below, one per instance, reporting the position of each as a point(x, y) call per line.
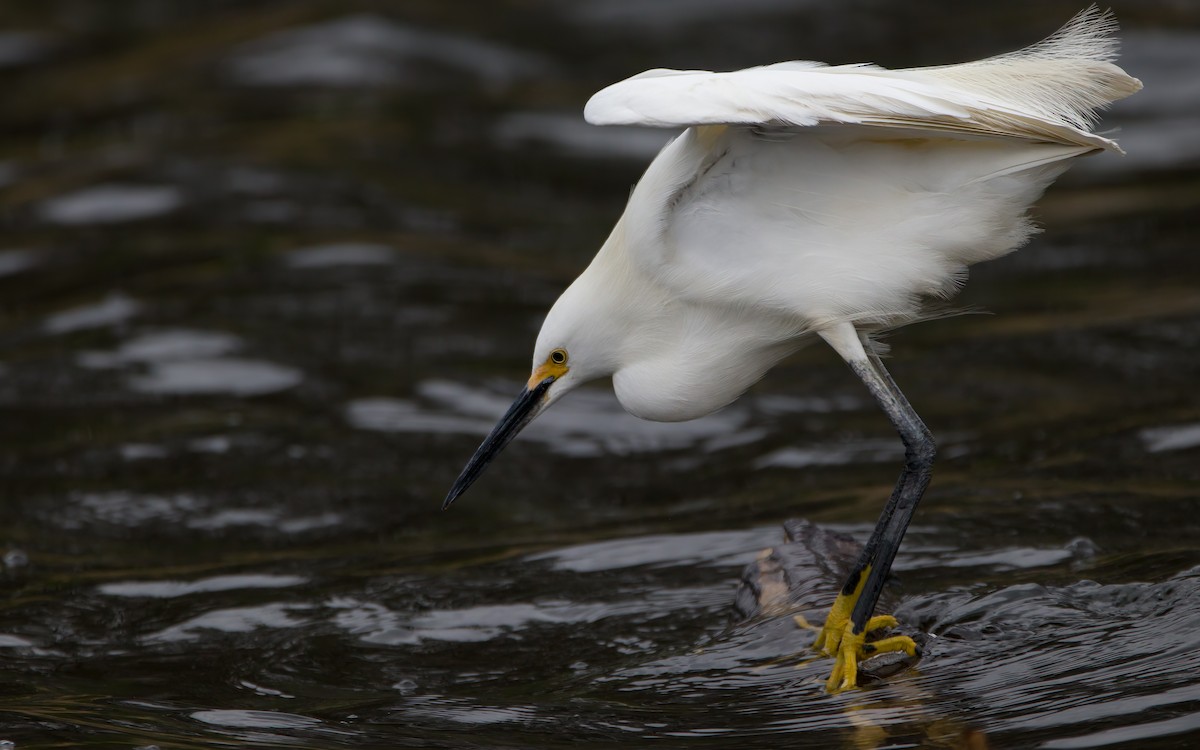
point(269, 271)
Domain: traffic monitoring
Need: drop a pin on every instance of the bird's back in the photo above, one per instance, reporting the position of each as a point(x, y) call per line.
point(1048, 92)
point(828, 225)
point(852, 193)
point(801, 196)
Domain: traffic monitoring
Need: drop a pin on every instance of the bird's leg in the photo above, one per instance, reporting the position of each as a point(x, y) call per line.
point(845, 631)
point(829, 636)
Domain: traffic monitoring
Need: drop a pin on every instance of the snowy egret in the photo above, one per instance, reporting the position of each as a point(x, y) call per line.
point(806, 201)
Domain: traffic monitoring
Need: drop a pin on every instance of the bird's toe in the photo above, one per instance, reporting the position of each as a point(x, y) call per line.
point(853, 648)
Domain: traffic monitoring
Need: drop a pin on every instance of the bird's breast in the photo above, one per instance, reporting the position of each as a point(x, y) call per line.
point(692, 382)
point(662, 395)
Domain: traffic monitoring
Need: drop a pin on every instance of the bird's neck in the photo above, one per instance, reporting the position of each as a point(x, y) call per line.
point(614, 307)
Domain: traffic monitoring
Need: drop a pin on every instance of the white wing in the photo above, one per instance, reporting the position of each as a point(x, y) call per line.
point(1048, 92)
point(912, 176)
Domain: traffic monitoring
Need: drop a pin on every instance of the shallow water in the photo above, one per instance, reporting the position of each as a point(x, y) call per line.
point(268, 274)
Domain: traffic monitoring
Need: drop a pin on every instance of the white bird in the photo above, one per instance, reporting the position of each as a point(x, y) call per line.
point(806, 201)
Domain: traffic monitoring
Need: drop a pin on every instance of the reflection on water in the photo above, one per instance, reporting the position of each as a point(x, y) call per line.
point(111, 204)
point(1172, 438)
point(182, 362)
point(255, 719)
point(16, 261)
point(228, 621)
point(168, 589)
point(113, 309)
point(159, 346)
point(342, 254)
point(270, 272)
point(239, 377)
point(367, 50)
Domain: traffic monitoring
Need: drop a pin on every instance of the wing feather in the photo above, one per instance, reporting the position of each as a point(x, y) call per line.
point(1048, 92)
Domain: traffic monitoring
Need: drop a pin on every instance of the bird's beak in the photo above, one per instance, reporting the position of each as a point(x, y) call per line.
point(528, 405)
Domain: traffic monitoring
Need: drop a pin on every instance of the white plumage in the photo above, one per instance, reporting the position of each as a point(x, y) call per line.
point(806, 201)
point(1046, 92)
point(801, 197)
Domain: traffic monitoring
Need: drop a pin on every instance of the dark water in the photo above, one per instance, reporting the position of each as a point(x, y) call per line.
point(268, 272)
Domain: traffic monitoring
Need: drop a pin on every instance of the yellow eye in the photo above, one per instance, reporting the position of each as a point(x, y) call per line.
point(559, 356)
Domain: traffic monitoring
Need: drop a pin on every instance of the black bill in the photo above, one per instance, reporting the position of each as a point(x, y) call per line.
point(524, 409)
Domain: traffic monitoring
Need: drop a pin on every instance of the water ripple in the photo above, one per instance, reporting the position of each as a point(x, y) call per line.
point(171, 589)
point(231, 620)
point(239, 719)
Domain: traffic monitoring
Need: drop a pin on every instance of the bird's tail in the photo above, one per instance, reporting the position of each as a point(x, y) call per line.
point(1063, 79)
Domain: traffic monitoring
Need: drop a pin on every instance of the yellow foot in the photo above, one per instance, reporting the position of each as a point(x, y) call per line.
point(837, 638)
point(853, 647)
point(829, 635)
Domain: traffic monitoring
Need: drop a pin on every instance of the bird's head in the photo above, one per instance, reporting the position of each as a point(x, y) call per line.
point(575, 345)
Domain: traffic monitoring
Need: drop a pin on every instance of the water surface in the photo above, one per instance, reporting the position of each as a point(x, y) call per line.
point(269, 273)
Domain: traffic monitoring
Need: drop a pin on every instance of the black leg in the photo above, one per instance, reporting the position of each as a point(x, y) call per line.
point(844, 632)
point(919, 450)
